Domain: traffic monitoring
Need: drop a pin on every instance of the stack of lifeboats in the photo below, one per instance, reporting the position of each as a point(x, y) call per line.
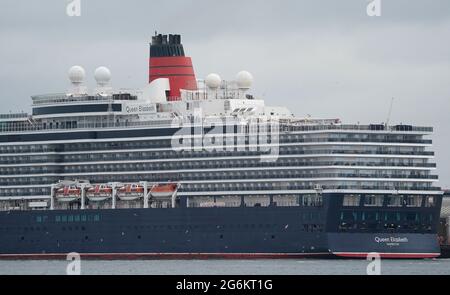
point(127, 192)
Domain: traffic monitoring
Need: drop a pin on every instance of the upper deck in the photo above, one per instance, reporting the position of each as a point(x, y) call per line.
point(24, 124)
point(151, 107)
point(62, 98)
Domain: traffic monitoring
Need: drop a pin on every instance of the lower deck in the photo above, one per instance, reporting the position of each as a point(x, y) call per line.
point(218, 232)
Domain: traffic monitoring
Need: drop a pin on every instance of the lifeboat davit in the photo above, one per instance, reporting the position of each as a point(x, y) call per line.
point(99, 193)
point(68, 194)
point(164, 191)
point(130, 192)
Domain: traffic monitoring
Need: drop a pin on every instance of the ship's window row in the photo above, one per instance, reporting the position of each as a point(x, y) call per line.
point(104, 123)
point(169, 153)
point(215, 175)
point(21, 205)
point(25, 192)
point(256, 201)
point(372, 127)
point(356, 200)
point(167, 143)
point(166, 155)
point(353, 216)
point(76, 218)
point(282, 137)
point(395, 221)
point(298, 185)
point(232, 186)
point(148, 152)
point(217, 164)
point(41, 180)
point(154, 144)
point(68, 218)
point(257, 176)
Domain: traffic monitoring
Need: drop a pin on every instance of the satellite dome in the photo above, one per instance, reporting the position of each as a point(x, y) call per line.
point(77, 74)
point(213, 81)
point(244, 80)
point(102, 75)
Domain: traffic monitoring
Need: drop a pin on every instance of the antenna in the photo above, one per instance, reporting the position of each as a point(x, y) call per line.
point(390, 112)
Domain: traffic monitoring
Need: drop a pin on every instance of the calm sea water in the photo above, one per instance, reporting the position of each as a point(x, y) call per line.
point(231, 267)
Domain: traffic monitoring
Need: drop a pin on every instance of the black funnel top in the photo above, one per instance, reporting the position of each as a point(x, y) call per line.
point(162, 46)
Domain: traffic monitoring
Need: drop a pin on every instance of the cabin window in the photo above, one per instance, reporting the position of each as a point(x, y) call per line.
point(430, 201)
point(351, 200)
point(395, 201)
point(311, 200)
point(414, 201)
point(373, 201)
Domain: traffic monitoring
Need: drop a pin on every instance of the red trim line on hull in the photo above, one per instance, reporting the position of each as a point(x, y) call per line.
point(389, 255)
point(163, 256)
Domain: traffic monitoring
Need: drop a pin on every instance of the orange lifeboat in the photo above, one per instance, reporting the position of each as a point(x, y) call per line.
point(68, 194)
point(164, 190)
point(130, 192)
point(99, 193)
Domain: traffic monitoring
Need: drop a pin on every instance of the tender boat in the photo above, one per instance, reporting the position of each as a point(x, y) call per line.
point(99, 193)
point(68, 194)
point(164, 190)
point(130, 192)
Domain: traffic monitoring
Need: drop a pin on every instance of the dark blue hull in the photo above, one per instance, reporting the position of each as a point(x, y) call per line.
point(160, 231)
point(242, 232)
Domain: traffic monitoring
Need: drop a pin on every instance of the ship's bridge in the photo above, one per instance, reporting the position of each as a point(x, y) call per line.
point(56, 105)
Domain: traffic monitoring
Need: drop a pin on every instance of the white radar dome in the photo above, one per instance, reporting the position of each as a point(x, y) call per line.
point(77, 74)
point(244, 80)
point(213, 81)
point(102, 75)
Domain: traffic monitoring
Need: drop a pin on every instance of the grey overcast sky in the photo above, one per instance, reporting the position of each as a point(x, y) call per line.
point(318, 57)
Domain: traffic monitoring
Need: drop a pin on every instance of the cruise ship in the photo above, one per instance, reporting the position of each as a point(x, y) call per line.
point(186, 168)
